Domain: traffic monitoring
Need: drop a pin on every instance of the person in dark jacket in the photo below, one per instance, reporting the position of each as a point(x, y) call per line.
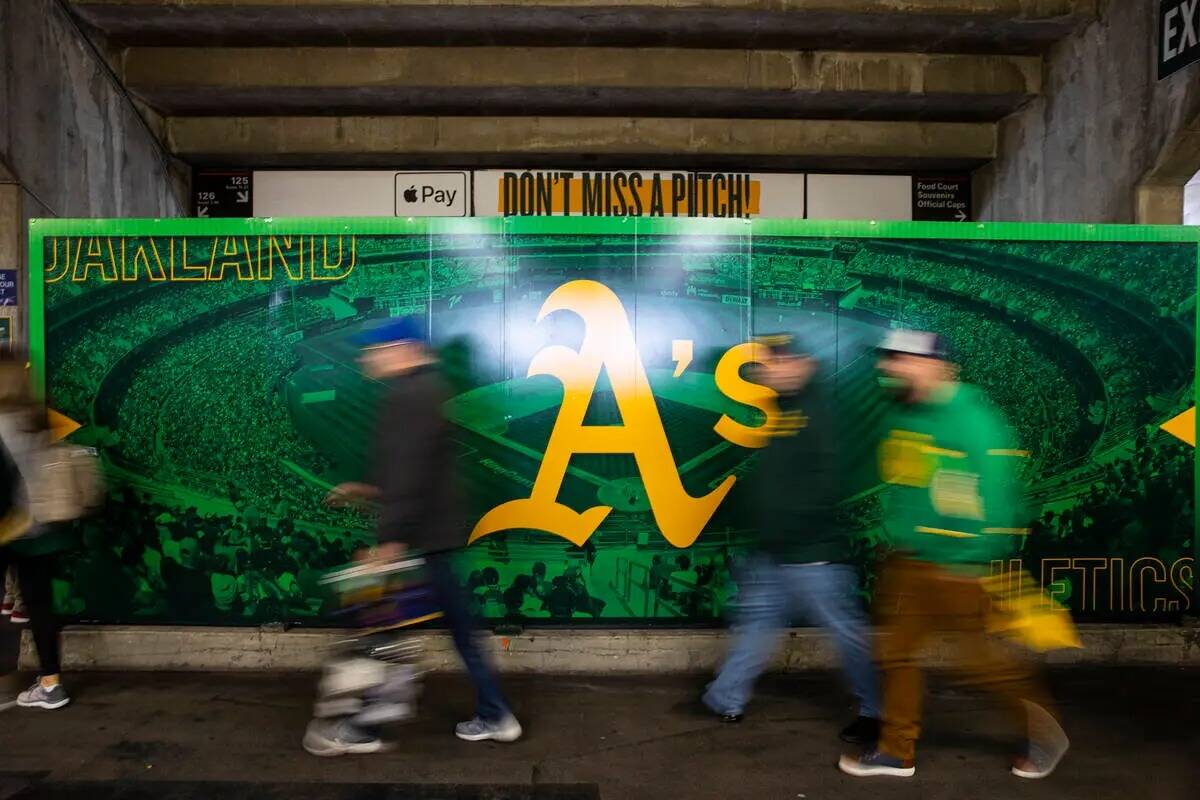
point(801, 562)
point(421, 507)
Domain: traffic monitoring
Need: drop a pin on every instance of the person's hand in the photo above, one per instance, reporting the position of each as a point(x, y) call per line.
point(386, 553)
point(789, 374)
point(349, 493)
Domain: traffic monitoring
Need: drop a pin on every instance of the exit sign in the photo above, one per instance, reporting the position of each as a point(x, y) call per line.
point(1178, 35)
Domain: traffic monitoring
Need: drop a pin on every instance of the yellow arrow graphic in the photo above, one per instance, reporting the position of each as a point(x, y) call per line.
point(1183, 426)
point(61, 426)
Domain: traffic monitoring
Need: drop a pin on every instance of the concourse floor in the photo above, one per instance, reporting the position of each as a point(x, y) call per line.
point(187, 736)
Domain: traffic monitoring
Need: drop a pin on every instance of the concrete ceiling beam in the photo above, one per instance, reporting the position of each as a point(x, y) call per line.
point(985, 26)
point(216, 67)
point(1022, 8)
point(579, 82)
point(578, 140)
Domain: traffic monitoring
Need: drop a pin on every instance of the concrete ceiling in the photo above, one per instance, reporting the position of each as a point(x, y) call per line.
point(870, 84)
point(947, 26)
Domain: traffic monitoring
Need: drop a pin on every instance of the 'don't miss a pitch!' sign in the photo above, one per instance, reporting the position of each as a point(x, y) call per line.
point(638, 194)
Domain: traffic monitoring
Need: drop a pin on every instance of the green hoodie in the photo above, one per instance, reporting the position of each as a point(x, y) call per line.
point(954, 494)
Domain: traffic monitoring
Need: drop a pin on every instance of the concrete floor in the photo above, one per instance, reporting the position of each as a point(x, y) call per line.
point(599, 737)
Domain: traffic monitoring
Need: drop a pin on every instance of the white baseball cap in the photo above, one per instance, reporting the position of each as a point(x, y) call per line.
point(915, 343)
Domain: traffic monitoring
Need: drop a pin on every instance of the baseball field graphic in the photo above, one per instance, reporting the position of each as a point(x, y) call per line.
point(604, 430)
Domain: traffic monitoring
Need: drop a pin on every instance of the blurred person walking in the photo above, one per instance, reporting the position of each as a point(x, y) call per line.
point(953, 507)
point(29, 546)
point(421, 509)
point(800, 565)
point(14, 605)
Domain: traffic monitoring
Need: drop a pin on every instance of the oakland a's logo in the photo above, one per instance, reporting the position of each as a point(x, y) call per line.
point(608, 344)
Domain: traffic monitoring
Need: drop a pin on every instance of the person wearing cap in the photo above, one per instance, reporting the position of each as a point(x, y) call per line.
point(800, 564)
point(953, 506)
point(420, 509)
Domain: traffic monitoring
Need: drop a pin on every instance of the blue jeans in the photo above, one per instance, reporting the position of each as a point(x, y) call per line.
point(769, 595)
point(450, 597)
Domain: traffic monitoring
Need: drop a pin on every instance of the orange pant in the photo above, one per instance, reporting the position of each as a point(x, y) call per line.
point(916, 600)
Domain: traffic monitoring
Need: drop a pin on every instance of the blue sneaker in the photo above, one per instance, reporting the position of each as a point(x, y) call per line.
point(874, 762)
point(480, 730)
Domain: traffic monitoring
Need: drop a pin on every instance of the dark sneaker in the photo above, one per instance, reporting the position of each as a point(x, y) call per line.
point(37, 696)
point(874, 763)
point(1045, 748)
point(19, 616)
point(863, 731)
point(727, 716)
point(479, 730)
point(326, 737)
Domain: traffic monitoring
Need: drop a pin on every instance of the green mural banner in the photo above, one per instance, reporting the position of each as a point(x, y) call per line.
point(605, 431)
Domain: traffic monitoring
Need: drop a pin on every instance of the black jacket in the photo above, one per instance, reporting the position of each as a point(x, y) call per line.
point(10, 481)
point(797, 484)
point(413, 465)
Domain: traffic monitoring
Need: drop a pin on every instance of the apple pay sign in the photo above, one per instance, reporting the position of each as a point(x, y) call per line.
point(432, 194)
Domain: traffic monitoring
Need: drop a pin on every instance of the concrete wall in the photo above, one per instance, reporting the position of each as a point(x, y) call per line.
point(116, 647)
point(72, 144)
point(1104, 125)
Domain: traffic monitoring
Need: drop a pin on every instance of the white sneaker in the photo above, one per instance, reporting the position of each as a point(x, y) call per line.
point(339, 738)
point(37, 696)
point(479, 730)
point(1045, 746)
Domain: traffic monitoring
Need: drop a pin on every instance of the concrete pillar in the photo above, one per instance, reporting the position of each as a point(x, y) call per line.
point(10, 216)
point(12, 254)
point(1159, 204)
point(1107, 141)
point(1160, 195)
point(71, 142)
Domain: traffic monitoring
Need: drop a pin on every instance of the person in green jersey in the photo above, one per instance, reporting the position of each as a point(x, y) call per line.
point(953, 507)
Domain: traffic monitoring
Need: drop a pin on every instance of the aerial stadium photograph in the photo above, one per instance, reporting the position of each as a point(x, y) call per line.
point(225, 407)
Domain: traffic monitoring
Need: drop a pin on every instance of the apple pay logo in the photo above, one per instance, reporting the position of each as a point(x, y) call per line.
point(432, 194)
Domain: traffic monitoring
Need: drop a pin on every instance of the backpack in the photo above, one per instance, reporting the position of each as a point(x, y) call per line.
point(14, 521)
point(66, 483)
